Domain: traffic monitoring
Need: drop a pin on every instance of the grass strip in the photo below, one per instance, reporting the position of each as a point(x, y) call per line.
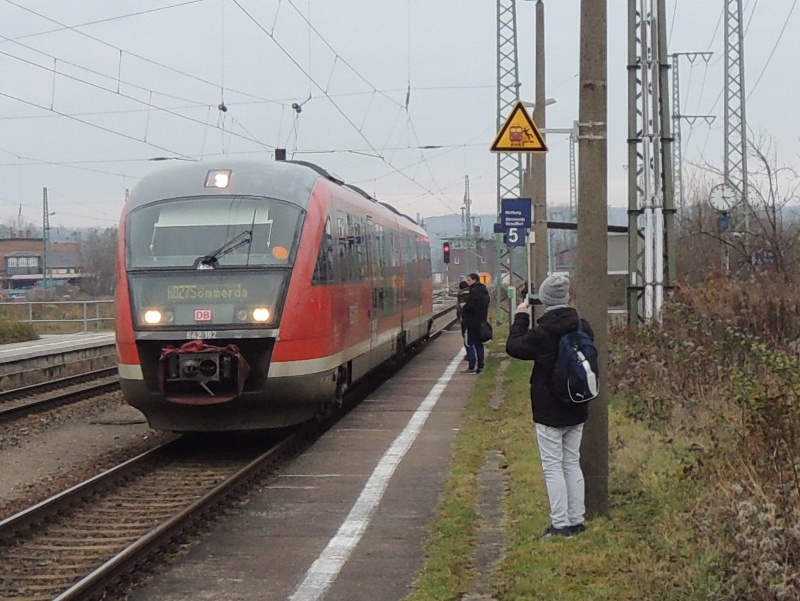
point(643, 550)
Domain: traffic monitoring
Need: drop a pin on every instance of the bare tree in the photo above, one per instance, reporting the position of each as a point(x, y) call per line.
point(762, 234)
point(98, 258)
point(700, 247)
point(773, 226)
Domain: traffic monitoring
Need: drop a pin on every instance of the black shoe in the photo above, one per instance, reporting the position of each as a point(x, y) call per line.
point(552, 532)
point(470, 371)
point(577, 528)
point(479, 371)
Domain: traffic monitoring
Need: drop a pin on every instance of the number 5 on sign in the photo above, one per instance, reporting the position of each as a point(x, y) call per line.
point(515, 236)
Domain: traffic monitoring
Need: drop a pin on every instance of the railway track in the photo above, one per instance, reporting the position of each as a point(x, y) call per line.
point(48, 395)
point(79, 543)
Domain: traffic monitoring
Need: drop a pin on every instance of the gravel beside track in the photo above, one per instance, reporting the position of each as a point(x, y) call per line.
point(46, 453)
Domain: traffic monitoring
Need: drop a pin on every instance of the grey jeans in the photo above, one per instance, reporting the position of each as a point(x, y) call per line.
point(559, 449)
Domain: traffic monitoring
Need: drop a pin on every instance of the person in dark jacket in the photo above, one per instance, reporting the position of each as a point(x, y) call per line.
point(475, 312)
point(559, 426)
point(461, 299)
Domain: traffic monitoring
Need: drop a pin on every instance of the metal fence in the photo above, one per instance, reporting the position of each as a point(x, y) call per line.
point(89, 315)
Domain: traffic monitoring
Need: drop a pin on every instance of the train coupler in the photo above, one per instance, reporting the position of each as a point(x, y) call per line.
point(197, 373)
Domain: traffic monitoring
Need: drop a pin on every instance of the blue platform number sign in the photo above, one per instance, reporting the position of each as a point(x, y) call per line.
point(516, 212)
point(515, 236)
point(515, 217)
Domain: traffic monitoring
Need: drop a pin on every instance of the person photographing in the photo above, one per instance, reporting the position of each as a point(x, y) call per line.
point(558, 423)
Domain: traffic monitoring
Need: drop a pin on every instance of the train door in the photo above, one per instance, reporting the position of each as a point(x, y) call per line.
point(373, 275)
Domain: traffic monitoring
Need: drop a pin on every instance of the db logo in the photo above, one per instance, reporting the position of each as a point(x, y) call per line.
point(202, 314)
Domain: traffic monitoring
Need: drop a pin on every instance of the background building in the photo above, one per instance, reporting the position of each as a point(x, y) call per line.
point(22, 263)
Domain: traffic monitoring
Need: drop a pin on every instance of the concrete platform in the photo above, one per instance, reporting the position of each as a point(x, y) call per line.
point(347, 521)
point(49, 344)
point(54, 356)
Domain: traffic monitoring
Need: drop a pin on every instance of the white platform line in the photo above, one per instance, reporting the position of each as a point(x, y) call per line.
point(327, 566)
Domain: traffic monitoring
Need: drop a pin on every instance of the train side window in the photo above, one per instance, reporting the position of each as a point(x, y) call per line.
point(356, 261)
point(362, 268)
point(424, 254)
point(323, 272)
point(349, 256)
point(340, 252)
point(413, 285)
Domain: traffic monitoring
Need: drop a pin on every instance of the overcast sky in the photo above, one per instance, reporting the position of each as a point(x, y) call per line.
point(93, 90)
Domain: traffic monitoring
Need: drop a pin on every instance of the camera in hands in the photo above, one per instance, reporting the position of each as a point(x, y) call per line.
point(533, 299)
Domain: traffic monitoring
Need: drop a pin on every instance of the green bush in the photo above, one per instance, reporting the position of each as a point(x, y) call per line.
point(12, 330)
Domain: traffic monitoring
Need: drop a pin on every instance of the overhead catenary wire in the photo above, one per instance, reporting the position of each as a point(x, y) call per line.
point(752, 9)
point(76, 29)
point(99, 87)
point(375, 91)
point(774, 48)
point(68, 164)
point(345, 116)
point(337, 57)
point(90, 124)
point(377, 152)
point(96, 22)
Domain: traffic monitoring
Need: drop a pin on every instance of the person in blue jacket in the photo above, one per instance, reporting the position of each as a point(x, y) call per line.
point(559, 425)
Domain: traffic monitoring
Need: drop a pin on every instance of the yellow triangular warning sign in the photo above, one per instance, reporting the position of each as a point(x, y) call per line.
point(519, 133)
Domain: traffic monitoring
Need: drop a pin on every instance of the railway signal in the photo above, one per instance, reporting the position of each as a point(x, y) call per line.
point(446, 251)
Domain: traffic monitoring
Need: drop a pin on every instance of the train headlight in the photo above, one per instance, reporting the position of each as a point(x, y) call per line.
point(153, 317)
point(261, 314)
point(218, 178)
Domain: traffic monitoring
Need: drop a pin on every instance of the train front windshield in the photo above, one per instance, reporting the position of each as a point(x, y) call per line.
point(212, 232)
point(208, 262)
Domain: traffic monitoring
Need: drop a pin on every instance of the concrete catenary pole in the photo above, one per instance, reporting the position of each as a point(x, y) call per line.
point(591, 274)
point(539, 160)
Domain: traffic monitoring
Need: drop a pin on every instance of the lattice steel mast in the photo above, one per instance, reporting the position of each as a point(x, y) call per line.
point(735, 172)
point(45, 238)
point(677, 116)
point(509, 165)
point(651, 206)
point(468, 231)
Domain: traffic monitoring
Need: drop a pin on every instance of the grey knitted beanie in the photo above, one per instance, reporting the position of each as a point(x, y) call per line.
point(555, 290)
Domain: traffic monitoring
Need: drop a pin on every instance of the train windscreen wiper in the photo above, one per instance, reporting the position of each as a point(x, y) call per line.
point(211, 260)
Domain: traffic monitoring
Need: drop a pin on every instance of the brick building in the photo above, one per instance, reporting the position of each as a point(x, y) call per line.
point(22, 262)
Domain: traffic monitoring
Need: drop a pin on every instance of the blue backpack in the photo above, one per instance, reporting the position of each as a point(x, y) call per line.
point(576, 377)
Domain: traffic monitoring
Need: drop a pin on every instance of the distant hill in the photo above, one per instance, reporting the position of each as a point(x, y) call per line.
point(444, 227)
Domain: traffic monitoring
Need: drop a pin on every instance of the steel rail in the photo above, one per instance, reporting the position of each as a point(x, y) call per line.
point(108, 574)
point(17, 402)
point(122, 563)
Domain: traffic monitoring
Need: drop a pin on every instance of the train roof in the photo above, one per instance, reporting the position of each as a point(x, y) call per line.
point(292, 181)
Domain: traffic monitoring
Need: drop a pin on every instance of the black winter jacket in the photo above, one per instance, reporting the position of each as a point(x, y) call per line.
point(541, 345)
point(476, 309)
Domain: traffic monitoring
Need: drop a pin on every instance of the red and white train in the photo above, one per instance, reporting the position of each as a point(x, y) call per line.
point(251, 295)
